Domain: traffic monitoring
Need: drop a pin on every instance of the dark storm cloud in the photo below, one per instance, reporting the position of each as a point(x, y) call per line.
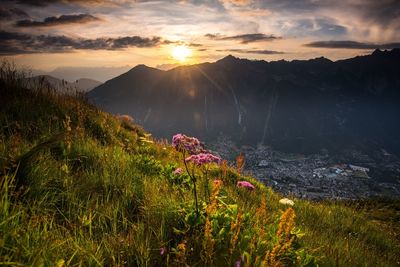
point(55, 21)
point(11, 13)
point(245, 51)
point(378, 12)
point(244, 38)
point(351, 45)
point(124, 42)
point(42, 3)
point(21, 43)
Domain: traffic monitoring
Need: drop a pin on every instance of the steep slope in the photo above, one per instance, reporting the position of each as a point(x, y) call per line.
point(299, 106)
point(80, 187)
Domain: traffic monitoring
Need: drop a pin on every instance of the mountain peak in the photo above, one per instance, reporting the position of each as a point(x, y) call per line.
point(393, 52)
point(142, 67)
point(322, 60)
point(228, 59)
point(377, 52)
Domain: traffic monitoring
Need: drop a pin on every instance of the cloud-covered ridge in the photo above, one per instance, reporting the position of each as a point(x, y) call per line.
point(244, 38)
point(55, 21)
point(346, 44)
point(21, 43)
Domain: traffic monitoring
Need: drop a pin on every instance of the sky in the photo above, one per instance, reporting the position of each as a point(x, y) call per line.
point(48, 34)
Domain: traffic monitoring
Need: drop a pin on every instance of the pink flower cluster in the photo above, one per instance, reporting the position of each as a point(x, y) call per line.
point(178, 171)
point(203, 158)
point(190, 144)
point(246, 184)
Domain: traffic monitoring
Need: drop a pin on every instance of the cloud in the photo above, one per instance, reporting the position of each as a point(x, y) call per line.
point(11, 13)
point(42, 3)
point(194, 45)
point(124, 42)
point(311, 27)
point(381, 12)
point(245, 51)
point(22, 43)
point(244, 38)
point(351, 45)
point(182, 43)
point(55, 21)
point(236, 2)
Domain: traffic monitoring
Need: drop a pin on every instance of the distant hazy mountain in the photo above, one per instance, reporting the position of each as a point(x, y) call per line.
point(85, 84)
point(101, 74)
point(80, 85)
point(297, 106)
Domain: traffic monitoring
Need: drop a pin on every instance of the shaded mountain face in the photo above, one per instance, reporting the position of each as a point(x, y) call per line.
point(81, 85)
point(297, 106)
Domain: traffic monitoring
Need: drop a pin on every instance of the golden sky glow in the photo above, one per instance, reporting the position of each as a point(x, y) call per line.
point(163, 33)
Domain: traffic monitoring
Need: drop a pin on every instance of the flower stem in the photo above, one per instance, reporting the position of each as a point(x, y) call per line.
point(192, 176)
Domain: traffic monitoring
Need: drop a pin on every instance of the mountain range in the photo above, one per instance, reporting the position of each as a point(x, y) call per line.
point(298, 106)
point(70, 74)
point(83, 85)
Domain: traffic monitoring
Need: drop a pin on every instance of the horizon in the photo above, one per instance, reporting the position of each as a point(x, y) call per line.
point(60, 71)
point(45, 35)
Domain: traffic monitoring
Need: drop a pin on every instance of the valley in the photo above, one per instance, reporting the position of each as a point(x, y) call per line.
point(352, 175)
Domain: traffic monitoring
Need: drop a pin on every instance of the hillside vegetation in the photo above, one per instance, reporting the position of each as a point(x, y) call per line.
point(81, 187)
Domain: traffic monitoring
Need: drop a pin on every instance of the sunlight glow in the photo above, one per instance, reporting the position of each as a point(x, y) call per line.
point(181, 53)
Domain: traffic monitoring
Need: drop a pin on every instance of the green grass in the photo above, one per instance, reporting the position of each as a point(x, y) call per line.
point(80, 187)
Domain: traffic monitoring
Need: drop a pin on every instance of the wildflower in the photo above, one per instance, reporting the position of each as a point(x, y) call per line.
point(217, 182)
point(240, 161)
point(237, 263)
point(284, 239)
point(246, 184)
point(209, 242)
point(212, 207)
point(286, 201)
point(162, 251)
point(235, 230)
point(191, 144)
point(203, 158)
point(178, 171)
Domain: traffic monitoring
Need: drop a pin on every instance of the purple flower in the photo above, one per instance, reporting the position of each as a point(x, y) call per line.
point(203, 158)
point(178, 171)
point(182, 142)
point(237, 263)
point(162, 251)
point(246, 184)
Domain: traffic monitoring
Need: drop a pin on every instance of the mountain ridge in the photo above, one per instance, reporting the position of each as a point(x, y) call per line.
point(82, 85)
point(312, 104)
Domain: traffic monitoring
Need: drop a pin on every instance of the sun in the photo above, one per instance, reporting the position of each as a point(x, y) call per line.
point(181, 53)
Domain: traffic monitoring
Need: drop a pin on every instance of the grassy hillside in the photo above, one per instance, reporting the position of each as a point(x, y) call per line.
point(80, 187)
